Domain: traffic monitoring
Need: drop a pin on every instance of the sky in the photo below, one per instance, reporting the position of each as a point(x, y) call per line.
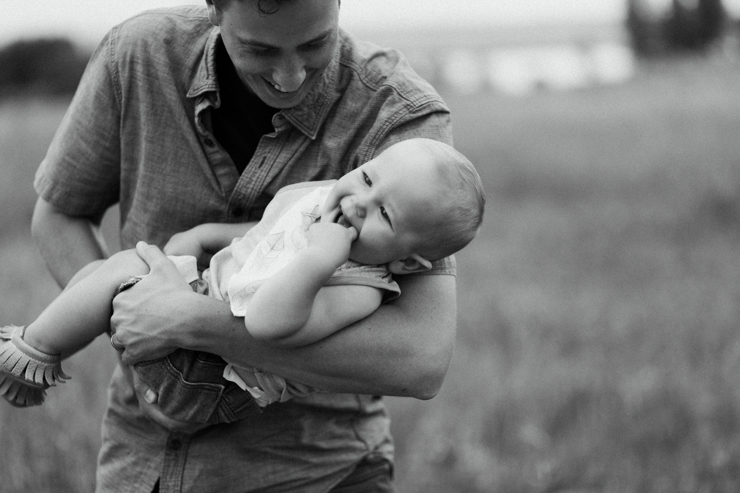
point(88, 20)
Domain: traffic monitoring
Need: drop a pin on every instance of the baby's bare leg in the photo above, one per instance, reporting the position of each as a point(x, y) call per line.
point(82, 311)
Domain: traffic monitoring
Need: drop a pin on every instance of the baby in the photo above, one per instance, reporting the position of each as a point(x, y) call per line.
point(321, 258)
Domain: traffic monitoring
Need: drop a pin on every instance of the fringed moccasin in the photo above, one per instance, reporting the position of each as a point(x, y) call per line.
point(25, 372)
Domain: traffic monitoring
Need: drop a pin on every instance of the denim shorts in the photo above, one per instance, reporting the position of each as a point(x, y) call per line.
point(190, 384)
point(373, 475)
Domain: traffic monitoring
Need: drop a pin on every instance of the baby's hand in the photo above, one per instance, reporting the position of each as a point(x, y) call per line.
point(331, 205)
point(333, 241)
point(185, 243)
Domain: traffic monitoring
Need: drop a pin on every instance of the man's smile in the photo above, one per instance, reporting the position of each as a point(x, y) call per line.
point(278, 88)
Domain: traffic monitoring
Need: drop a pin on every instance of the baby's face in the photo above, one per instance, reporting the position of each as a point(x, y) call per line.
point(390, 201)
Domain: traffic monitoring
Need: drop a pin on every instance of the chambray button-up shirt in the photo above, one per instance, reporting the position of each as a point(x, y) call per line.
point(138, 133)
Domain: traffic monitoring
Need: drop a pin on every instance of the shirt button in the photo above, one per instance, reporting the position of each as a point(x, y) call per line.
point(175, 445)
point(209, 142)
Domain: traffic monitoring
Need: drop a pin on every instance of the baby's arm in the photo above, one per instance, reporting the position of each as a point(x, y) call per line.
point(295, 308)
point(204, 240)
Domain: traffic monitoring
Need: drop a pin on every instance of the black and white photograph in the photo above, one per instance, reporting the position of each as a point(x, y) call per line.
point(541, 197)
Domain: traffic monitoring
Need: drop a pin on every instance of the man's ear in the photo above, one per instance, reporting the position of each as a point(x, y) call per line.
point(409, 265)
point(214, 16)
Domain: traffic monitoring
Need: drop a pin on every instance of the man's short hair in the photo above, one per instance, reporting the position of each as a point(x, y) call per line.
point(264, 7)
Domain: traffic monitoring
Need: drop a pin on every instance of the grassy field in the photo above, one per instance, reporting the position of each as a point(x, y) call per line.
point(598, 346)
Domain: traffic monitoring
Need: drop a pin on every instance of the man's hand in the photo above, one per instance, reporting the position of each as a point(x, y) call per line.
point(142, 316)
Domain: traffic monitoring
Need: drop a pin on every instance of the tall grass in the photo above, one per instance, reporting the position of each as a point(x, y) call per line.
point(598, 344)
point(52, 448)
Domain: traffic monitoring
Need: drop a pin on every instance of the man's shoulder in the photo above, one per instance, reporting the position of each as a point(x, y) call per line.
point(378, 68)
point(165, 17)
point(175, 26)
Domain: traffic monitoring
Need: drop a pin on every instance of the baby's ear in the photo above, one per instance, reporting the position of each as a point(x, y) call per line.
point(409, 265)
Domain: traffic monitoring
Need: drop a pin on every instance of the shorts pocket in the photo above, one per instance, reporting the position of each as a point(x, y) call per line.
point(190, 384)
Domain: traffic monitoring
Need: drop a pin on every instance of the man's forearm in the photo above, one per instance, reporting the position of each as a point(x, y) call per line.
point(398, 350)
point(403, 348)
point(67, 244)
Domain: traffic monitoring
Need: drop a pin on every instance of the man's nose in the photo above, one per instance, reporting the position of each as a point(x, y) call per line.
point(289, 74)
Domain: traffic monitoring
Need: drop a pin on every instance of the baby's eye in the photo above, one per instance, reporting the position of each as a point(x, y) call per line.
point(385, 214)
point(367, 179)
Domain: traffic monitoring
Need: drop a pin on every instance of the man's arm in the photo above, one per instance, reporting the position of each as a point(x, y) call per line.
point(403, 348)
point(67, 244)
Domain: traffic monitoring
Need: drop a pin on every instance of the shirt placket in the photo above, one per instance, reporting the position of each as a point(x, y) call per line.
point(268, 159)
point(219, 160)
point(175, 457)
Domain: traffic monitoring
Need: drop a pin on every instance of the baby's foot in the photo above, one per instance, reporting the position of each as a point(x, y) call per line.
point(25, 372)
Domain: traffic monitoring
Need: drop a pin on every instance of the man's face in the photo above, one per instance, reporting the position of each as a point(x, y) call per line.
point(279, 56)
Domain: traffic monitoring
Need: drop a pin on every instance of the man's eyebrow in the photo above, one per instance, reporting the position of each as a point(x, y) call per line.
point(260, 44)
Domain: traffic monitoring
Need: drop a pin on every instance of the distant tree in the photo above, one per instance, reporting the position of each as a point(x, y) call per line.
point(41, 66)
point(685, 25)
point(695, 25)
point(646, 32)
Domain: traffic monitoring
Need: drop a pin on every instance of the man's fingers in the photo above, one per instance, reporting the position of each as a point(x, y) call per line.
point(126, 358)
point(116, 345)
point(353, 232)
point(150, 254)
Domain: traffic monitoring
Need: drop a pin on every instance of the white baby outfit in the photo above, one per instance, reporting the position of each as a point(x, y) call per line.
point(237, 271)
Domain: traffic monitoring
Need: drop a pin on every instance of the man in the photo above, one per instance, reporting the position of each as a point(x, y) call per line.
point(187, 116)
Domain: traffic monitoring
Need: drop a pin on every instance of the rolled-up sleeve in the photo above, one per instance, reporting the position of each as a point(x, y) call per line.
point(81, 171)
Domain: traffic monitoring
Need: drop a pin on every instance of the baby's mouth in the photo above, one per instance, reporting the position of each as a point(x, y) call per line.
point(342, 220)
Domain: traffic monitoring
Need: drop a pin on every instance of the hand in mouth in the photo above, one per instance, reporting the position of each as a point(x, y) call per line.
point(341, 219)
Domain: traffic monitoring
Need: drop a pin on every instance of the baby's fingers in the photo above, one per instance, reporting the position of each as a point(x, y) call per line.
point(330, 215)
point(332, 202)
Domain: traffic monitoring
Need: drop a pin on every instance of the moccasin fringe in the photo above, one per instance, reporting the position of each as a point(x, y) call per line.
point(25, 371)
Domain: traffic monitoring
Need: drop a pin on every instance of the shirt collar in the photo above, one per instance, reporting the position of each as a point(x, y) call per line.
point(205, 77)
point(311, 113)
point(307, 117)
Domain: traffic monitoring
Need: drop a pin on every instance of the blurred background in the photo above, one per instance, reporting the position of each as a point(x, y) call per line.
point(597, 347)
